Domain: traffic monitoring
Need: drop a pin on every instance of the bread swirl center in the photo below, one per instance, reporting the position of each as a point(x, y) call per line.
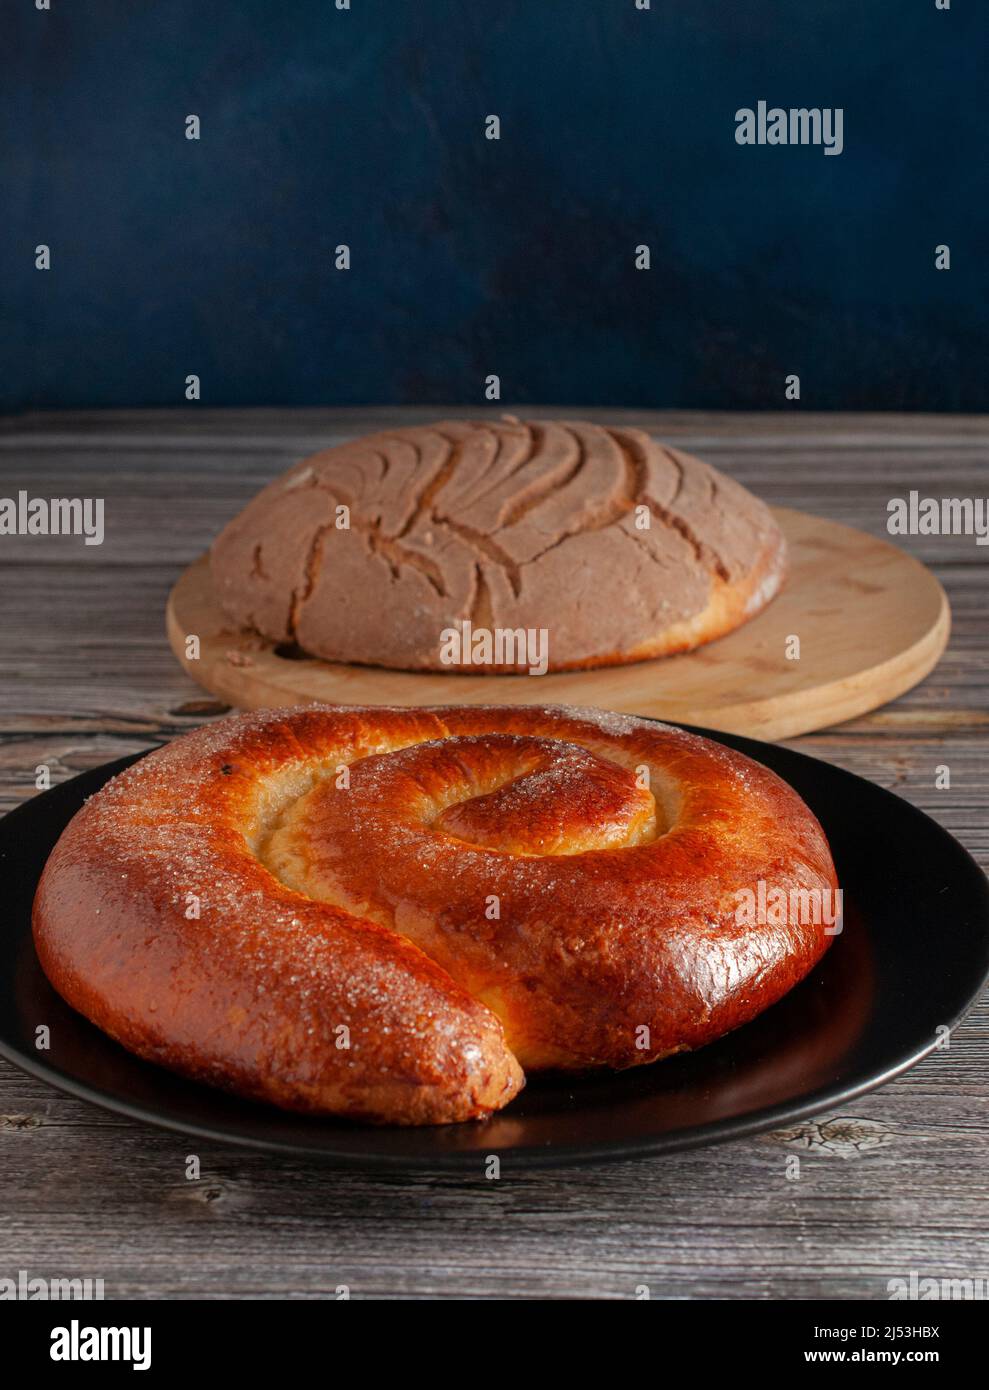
point(543, 797)
point(438, 841)
point(502, 793)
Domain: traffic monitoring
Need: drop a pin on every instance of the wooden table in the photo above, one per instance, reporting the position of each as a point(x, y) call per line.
point(894, 1182)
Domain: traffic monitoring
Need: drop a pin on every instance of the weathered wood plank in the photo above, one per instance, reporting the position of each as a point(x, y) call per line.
point(85, 641)
point(869, 1205)
point(167, 493)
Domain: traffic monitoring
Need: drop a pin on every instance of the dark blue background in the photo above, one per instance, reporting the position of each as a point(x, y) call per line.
point(470, 256)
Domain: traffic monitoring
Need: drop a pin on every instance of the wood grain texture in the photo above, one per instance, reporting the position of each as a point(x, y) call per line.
point(870, 620)
point(897, 1181)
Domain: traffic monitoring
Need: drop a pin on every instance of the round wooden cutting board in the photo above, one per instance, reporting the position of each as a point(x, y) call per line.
point(871, 622)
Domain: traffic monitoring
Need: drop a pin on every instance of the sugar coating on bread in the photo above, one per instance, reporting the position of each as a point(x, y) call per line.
point(617, 547)
point(392, 914)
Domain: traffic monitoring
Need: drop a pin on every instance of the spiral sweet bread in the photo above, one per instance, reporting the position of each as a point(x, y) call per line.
point(399, 548)
point(391, 914)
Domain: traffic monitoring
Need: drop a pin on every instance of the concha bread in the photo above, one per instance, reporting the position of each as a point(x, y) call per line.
point(617, 547)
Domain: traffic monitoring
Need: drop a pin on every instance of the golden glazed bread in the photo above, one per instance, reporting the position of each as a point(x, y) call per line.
point(618, 547)
point(390, 914)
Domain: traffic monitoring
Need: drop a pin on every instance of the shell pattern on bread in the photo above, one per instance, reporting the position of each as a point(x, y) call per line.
point(400, 912)
point(617, 547)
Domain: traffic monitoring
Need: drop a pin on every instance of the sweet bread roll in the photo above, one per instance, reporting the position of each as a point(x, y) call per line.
point(606, 545)
point(392, 914)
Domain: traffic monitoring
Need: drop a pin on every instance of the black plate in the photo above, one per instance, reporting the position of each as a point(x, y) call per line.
point(913, 956)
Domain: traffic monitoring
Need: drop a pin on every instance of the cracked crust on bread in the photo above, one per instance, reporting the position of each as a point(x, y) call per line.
point(620, 548)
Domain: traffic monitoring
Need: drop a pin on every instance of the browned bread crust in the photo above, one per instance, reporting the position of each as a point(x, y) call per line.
point(388, 914)
point(618, 547)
